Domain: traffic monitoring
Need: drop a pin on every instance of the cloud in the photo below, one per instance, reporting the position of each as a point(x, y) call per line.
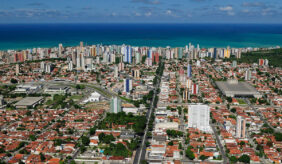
point(148, 14)
point(269, 12)
point(168, 12)
point(113, 14)
point(228, 10)
point(33, 13)
point(137, 14)
point(175, 12)
point(151, 2)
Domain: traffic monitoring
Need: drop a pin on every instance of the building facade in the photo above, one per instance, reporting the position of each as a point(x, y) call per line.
point(199, 117)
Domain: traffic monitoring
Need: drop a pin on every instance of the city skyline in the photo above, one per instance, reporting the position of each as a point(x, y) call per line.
point(141, 11)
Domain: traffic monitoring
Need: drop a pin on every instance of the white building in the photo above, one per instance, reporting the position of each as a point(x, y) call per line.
point(199, 117)
point(70, 66)
point(240, 127)
point(27, 88)
point(130, 110)
point(167, 125)
point(94, 97)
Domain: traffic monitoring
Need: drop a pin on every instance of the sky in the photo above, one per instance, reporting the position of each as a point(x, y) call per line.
point(141, 11)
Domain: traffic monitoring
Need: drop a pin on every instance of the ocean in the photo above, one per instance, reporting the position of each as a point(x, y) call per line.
point(23, 36)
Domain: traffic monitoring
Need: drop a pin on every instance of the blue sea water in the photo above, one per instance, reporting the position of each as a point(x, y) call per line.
point(22, 36)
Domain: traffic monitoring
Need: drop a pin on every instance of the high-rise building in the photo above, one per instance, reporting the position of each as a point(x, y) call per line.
point(180, 53)
point(121, 66)
point(49, 68)
point(116, 71)
point(149, 61)
point(1, 100)
point(127, 85)
point(199, 117)
point(155, 57)
point(266, 62)
point(115, 105)
point(261, 62)
point(127, 54)
point(198, 63)
point(185, 94)
point(60, 49)
point(195, 89)
point(181, 75)
point(42, 66)
point(248, 75)
point(17, 69)
point(241, 127)
point(73, 57)
point(189, 83)
point(136, 73)
point(82, 62)
point(214, 53)
point(189, 71)
point(234, 63)
point(227, 53)
point(78, 62)
point(238, 54)
point(70, 66)
point(137, 58)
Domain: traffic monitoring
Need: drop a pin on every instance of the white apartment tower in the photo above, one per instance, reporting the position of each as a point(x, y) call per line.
point(199, 117)
point(241, 127)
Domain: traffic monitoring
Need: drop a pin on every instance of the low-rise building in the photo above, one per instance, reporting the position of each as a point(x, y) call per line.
point(56, 89)
point(29, 102)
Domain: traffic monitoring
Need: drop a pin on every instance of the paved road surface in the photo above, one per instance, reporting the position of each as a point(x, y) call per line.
point(225, 159)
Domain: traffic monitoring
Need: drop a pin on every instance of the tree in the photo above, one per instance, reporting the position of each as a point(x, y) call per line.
point(78, 86)
point(120, 150)
point(106, 138)
point(242, 143)
point(14, 81)
point(72, 162)
point(170, 143)
point(85, 140)
point(42, 157)
point(32, 137)
point(2, 150)
point(233, 159)
point(144, 162)
point(92, 131)
point(28, 113)
point(278, 136)
point(21, 162)
point(58, 142)
point(269, 143)
point(233, 110)
point(189, 154)
point(179, 146)
point(133, 144)
point(229, 99)
point(117, 61)
point(203, 157)
point(244, 158)
point(82, 148)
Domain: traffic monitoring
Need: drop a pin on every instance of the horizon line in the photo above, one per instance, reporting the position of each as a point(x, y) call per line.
point(203, 23)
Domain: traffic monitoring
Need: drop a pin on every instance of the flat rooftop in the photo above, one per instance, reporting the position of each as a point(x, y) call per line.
point(28, 101)
point(235, 88)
